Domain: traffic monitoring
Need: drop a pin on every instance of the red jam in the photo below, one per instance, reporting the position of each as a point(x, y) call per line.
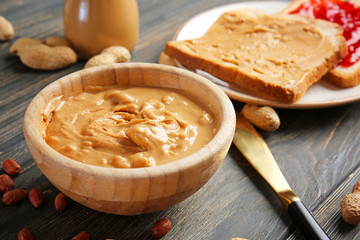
point(346, 14)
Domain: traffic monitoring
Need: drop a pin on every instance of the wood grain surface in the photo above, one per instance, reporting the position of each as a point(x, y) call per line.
point(317, 150)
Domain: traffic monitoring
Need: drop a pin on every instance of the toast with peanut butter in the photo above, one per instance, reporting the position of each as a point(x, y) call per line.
point(276, 57)
point(343, 75)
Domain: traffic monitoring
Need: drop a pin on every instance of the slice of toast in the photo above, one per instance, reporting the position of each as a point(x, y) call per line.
point(275, 56)
point(343, 77)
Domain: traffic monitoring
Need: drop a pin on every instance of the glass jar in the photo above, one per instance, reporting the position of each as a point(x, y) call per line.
point(92, 25)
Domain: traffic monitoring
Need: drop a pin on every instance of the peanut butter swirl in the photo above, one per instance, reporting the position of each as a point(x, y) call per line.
point(128, 127)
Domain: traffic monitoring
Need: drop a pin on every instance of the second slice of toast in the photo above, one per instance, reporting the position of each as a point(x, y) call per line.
point(275, 56)
point(340, 76)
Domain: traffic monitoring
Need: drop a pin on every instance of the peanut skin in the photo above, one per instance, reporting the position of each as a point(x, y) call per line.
point(82, 236)
point(61, 202)
point(161, 228)
point(11, 167)
point(36, 197)
point(14, 196)
point(6, 183)
point(25, 234)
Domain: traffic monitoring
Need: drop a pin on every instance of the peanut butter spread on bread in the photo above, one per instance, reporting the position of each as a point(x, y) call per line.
point(277, 57)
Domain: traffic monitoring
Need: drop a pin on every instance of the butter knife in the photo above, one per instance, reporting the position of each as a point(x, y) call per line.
point(255, 150)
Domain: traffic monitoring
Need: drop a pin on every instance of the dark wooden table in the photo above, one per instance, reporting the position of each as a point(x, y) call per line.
point(318, 151)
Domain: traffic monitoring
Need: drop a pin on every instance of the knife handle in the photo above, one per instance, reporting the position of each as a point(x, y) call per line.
point(305, 221)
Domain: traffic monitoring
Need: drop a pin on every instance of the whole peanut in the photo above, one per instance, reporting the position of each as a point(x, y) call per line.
point(6, 183)
point(263, 117)
point(6, 29)
point(161, 228)
point(166, 60)
point(350, 205)
point(14, 196)
point(56, 41)
point(114, 54)
point(37, 54)
point(11, 167)
point(25, 234)
point(61, 202)
point(82, 236)
point(36, 197)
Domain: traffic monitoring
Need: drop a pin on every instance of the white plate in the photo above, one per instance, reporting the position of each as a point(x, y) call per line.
point(320, 95)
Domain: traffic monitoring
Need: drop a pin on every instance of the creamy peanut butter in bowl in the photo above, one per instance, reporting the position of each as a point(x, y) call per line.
point(129, 138)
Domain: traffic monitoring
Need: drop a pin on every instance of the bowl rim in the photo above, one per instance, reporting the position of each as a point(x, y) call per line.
point(226, 129)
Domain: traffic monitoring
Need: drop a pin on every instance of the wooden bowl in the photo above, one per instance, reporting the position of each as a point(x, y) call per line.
point(136, 190)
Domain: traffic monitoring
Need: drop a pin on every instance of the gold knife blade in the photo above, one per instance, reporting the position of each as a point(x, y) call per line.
point(256, 151)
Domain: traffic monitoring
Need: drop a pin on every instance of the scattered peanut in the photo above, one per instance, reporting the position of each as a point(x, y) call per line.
point(6, 29)
point(22, 43)
point(350, 205)
point(165, 59)
point(264, 118)
point(56, 41)
point(25, 234)
point(48, 58)
point(37, 55)
point(36, 197)
point(6, 183)
point(161, 228)
point(61, 202)
point(82, 236)
point(115, 54)
point(14, 196)
point(11, 167)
